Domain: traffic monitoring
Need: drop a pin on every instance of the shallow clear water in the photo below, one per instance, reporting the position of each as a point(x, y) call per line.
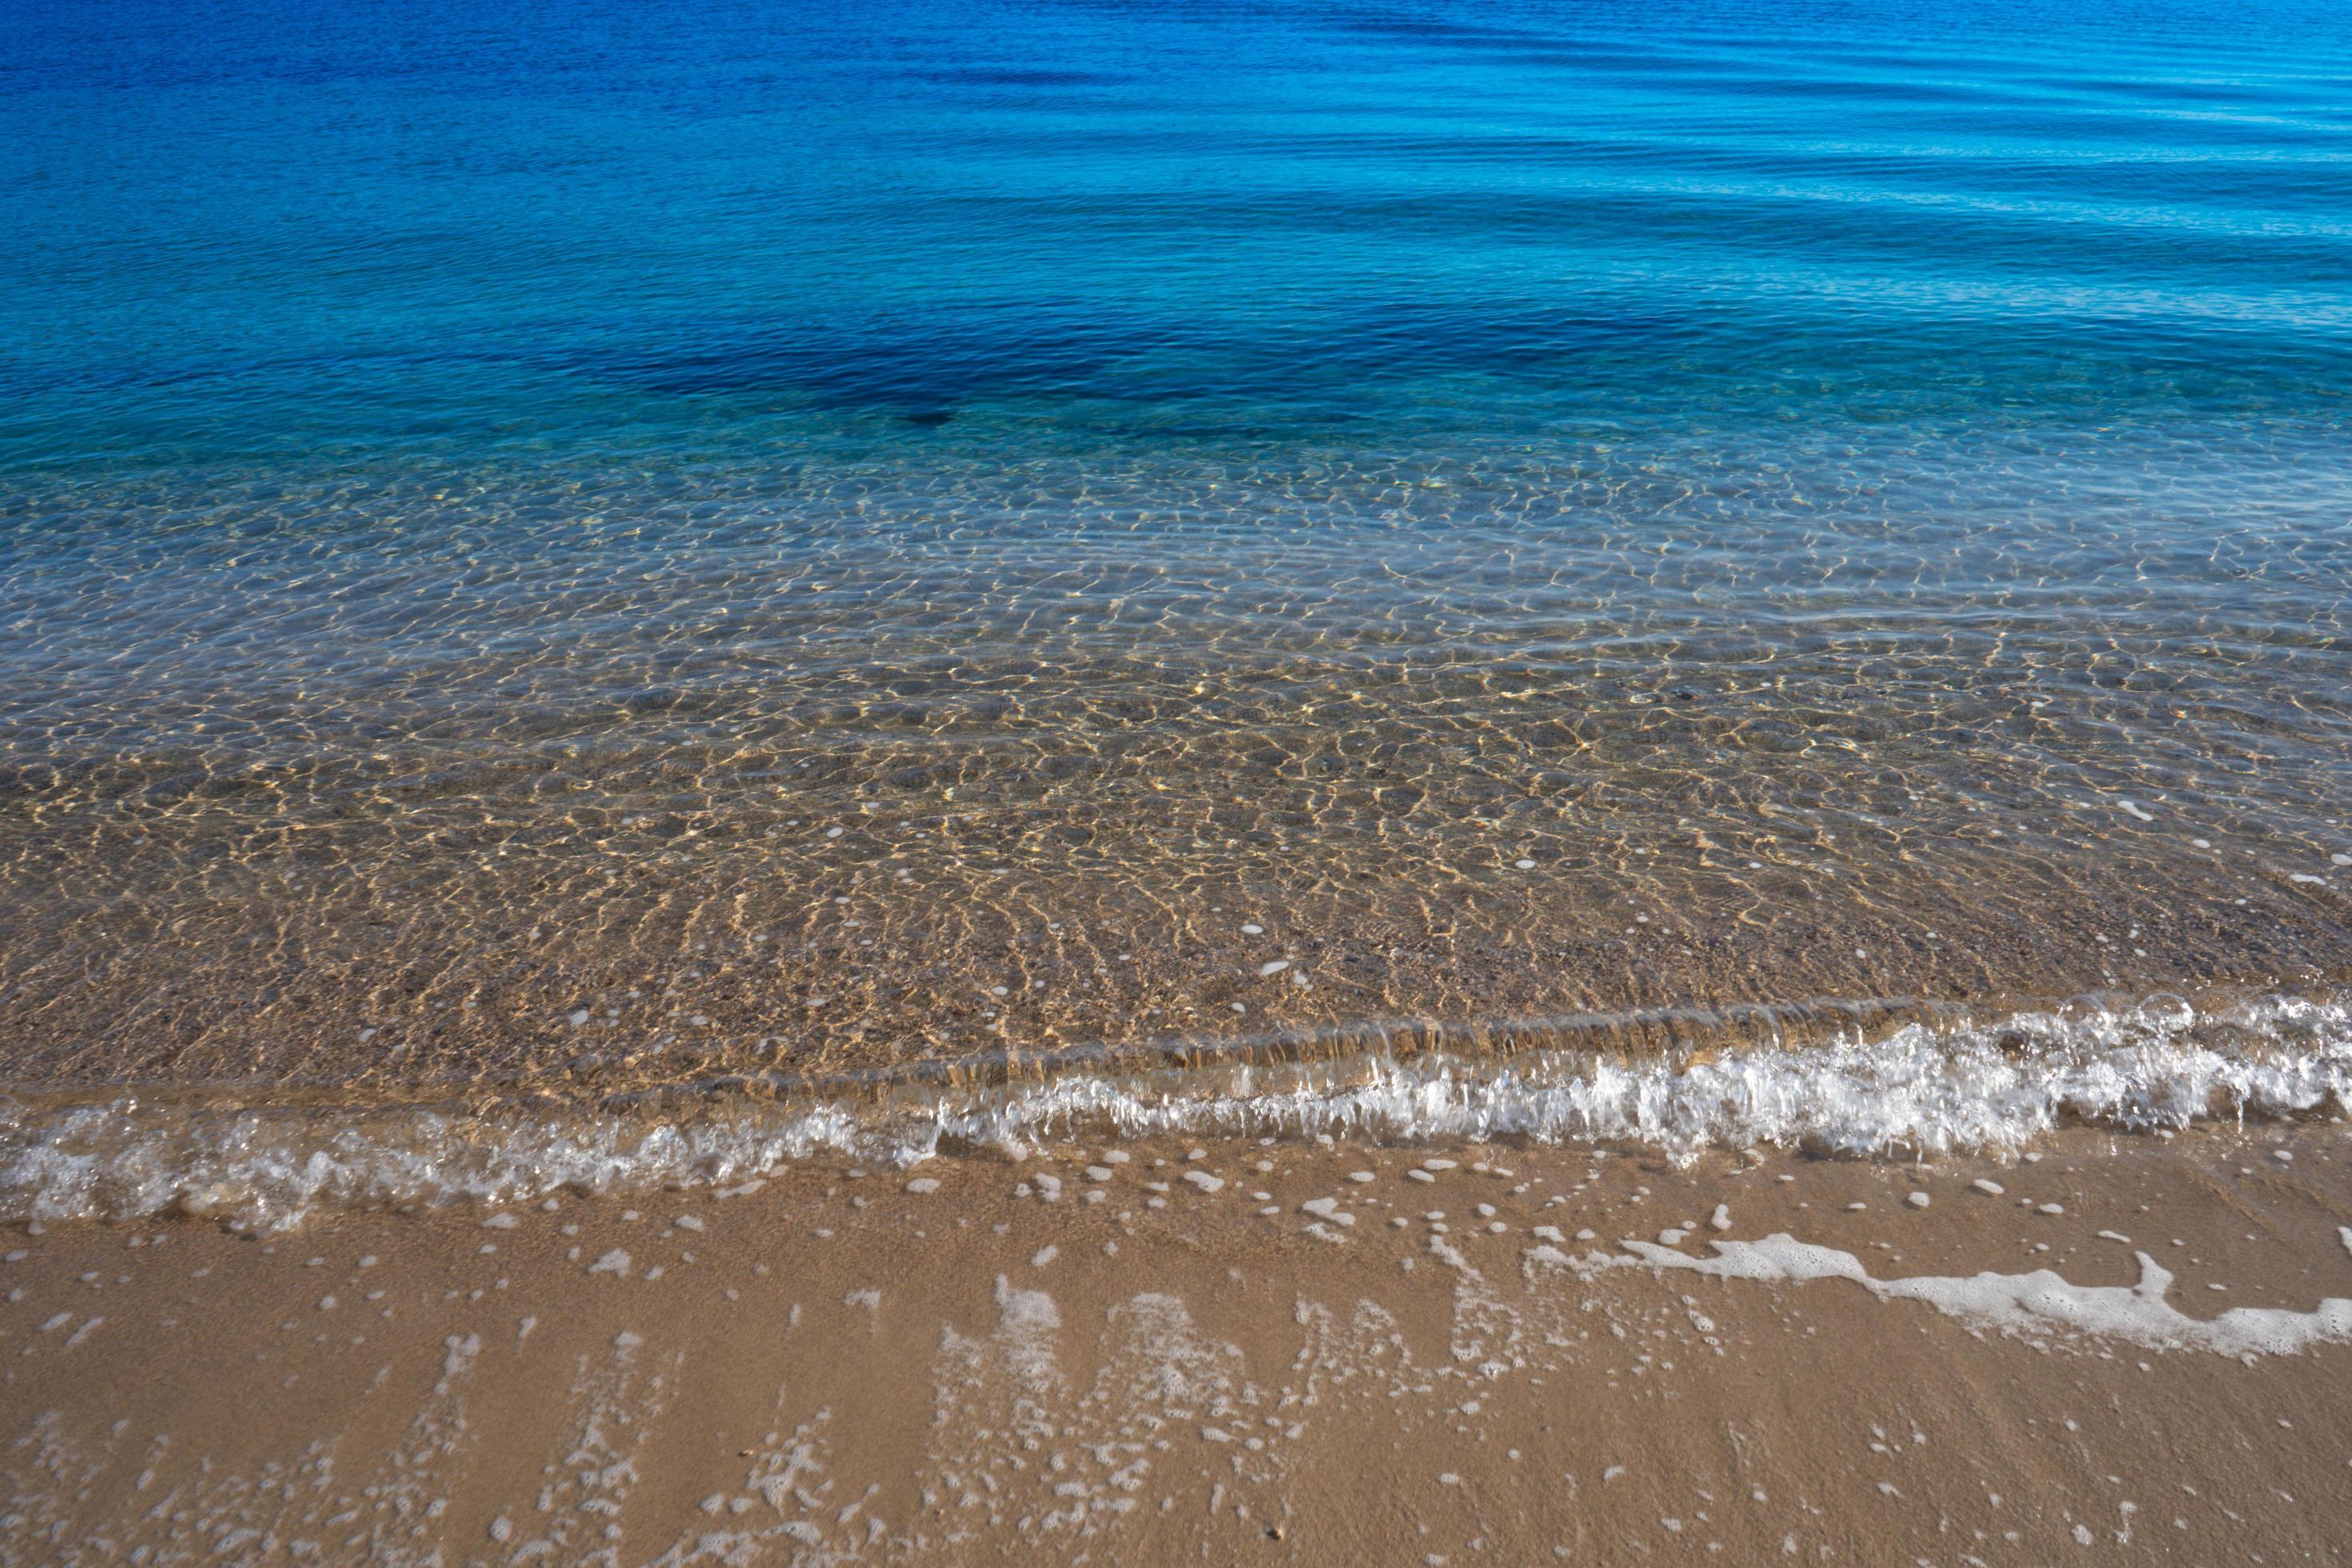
point(562, 551)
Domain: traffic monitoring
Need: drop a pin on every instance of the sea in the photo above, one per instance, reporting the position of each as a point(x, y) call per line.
point(601, 594)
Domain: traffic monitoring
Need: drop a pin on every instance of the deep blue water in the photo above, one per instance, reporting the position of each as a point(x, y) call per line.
point(1692, 455)
point(243, 231)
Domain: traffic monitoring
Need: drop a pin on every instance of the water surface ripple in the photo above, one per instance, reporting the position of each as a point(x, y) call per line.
point(553, 553)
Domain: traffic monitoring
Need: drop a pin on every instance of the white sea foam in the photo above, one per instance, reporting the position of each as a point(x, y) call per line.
point(2157, 1063)
point(2039, 1303)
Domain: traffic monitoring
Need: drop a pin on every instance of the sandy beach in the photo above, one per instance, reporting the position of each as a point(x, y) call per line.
point(1233, 1352)
point(1490, 781)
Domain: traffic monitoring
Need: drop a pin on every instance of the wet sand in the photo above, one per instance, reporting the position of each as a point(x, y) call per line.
point(851, 1364)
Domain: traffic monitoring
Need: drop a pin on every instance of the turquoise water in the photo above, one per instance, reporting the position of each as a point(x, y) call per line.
point(1541, 509)
point(250, 233)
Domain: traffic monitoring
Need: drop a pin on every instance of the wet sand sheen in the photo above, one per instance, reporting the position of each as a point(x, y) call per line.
point(1163, 1352)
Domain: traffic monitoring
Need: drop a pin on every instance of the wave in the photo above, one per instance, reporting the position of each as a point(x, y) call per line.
point(1940, 1084)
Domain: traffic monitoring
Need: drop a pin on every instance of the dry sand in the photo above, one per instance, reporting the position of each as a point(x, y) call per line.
point(835, 1367)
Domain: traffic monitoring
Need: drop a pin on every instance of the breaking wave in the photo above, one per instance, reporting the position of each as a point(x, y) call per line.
point(1924, 1087)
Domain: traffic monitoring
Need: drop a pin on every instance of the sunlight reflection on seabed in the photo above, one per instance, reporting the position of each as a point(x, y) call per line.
point(435, 791)
point(1017, 539)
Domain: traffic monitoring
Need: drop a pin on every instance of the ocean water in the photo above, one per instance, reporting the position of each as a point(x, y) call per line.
point(581, 577)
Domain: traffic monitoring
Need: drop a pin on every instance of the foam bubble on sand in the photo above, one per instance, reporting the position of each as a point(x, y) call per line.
point(2160, 1063)
point(2042, 1301)
point(1028, 1326)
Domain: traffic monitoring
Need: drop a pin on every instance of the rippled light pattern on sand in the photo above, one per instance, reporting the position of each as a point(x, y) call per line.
point(559, 555)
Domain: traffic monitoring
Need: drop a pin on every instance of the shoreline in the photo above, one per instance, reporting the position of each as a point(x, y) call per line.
point(1982, 1082)
point(982, 1358)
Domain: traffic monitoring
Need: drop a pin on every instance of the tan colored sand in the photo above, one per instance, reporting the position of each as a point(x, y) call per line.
point(835, 1368)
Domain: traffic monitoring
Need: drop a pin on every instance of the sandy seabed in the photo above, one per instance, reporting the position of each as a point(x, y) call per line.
point(1230, 1351)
